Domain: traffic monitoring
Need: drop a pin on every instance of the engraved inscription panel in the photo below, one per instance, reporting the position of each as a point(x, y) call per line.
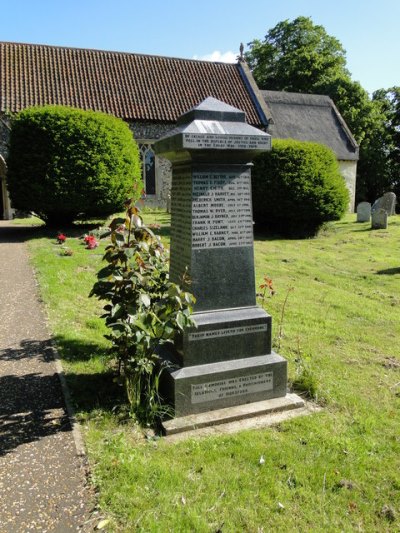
point(227, 332)
point(223, 141)
point(221, 210)
point(226, 388)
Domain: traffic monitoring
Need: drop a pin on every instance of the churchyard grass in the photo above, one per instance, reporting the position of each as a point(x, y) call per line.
point(335, 470)
point(28, 221)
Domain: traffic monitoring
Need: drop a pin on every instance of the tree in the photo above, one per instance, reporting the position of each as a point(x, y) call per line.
point(389, 100)
point(353, 102)
point(66, 163)
point(296, 56)
point(299, 56)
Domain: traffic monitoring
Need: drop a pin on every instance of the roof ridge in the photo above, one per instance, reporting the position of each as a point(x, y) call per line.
point(117, 52)
point(292, 94)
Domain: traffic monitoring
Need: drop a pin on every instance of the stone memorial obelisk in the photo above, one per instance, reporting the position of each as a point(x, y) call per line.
point(227, 360)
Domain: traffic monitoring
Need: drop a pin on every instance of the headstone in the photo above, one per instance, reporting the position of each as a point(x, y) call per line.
point(227, 360)
point(379, 219)
point(363, 212)
point(388, 203)
point(376, 204)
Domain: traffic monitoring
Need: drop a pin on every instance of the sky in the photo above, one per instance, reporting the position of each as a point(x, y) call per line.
point(210, 29)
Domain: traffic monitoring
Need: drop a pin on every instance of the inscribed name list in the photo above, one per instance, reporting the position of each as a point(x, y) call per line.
point(221, 210)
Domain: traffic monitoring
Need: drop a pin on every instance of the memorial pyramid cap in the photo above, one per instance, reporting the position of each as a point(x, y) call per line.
point(213, 109)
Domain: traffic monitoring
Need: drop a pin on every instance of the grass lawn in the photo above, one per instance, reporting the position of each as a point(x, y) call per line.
point(337, 470)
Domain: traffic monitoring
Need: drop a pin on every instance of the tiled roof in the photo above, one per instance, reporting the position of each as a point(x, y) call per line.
point(131, 86)
point(310, 117)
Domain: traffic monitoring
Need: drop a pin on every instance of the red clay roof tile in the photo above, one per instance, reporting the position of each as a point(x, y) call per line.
point(131, 86)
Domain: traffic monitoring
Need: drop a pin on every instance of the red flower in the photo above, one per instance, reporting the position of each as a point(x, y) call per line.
point(61, 238)
point(91, 242)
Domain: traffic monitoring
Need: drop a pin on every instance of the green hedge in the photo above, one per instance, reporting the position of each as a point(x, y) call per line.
point(297, 187)
point(66, 163)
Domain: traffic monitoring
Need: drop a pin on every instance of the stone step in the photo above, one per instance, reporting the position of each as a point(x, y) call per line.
point(232, 414)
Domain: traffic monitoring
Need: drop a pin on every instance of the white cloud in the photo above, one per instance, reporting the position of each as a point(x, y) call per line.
point(222, 57)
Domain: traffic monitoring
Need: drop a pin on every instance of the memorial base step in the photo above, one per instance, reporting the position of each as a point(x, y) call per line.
point(229, 419)
point(227, 334)
point(196, 389)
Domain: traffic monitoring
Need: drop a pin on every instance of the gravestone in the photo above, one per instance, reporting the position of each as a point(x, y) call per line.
point(379, 219)
point(386, 202)
point(363, 212)
point(227, 360)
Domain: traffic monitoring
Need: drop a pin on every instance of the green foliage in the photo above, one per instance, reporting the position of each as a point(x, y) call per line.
point(353, 102)
point(381, 154)
point(144, 310)
point(297, 187)
point(66, 163)
point(295, 56)
point(299, 56)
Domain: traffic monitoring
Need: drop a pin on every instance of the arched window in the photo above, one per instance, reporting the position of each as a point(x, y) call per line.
point(148, 168)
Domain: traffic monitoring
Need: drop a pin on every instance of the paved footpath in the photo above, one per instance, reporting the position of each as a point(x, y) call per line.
point(42, 478)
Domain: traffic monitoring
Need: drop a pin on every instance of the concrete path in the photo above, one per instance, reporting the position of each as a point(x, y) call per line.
point(42, 478)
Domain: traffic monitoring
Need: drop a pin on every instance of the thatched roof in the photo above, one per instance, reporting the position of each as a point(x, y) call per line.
point(310, 117)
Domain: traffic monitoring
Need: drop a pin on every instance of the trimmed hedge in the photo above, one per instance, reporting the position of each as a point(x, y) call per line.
point(66, 163)
point(297, 187)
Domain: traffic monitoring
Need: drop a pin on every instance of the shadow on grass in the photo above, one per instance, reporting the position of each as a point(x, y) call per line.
point(164, 231)
point(362, 229)
point(75, 350)
point(91, 391)
point(96, 392)
point(388, 271)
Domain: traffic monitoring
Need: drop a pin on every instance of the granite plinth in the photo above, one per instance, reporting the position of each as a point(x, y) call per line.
point(226, 418)
point(200, 388)
point(226, 335)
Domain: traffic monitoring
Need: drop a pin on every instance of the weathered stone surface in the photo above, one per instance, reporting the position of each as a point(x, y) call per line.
point(386, 202)
point(379, 219)
point(363, 212)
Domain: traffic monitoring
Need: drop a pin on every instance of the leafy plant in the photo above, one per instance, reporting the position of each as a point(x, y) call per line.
point(66, 163)
point(144, 310)
point(297, 187)
point(305, 380)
